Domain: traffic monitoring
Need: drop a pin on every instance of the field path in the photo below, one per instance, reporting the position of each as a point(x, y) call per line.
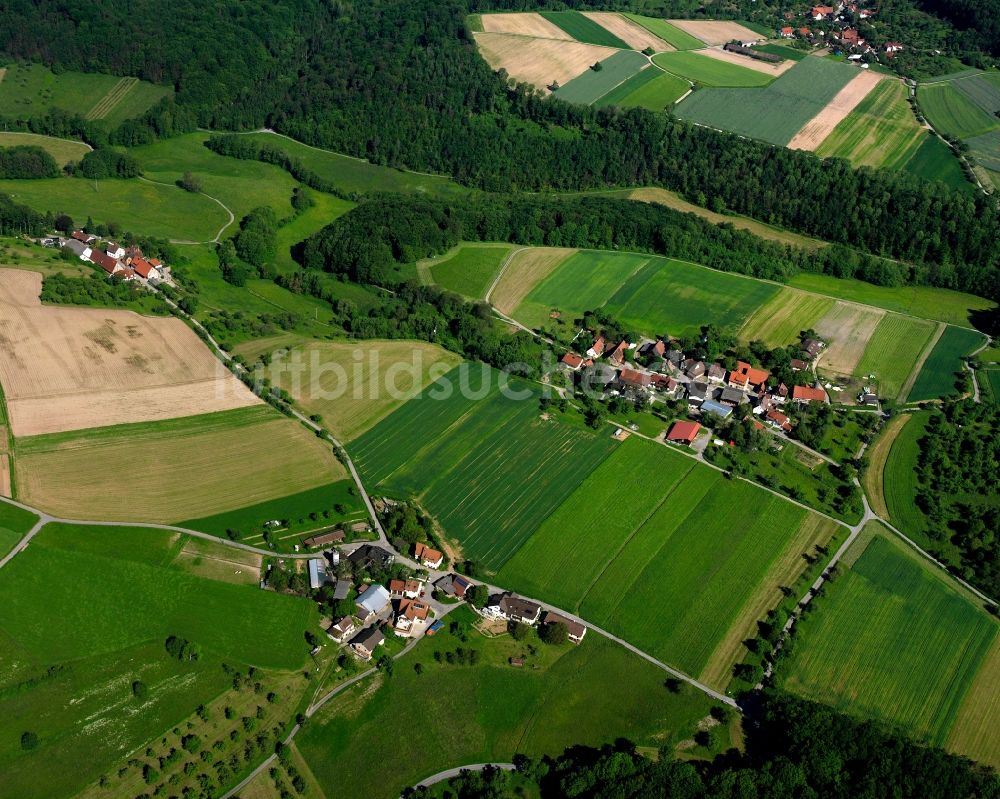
point(222, 205)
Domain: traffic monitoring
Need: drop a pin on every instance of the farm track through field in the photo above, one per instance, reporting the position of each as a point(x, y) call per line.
point(217, 201)
point(107, 103)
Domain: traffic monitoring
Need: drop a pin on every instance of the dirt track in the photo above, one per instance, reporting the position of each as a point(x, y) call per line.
point(846, 100)
point(68, 368)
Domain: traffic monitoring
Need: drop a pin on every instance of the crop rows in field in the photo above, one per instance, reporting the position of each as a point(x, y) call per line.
point(779, 322)
point(983, 90)
point(951, 112)
point(882, 131)
point(671, 34)
point(106, 104)
point(893, 351)
point(651, 89)
point(489, 470)
point(893, 641)
point(470, 270)
point(937, 376)
point(583, 29)
point(711, 71)
point(773, 114)
point(591, 85)
point(900, 477)
point(672, 569)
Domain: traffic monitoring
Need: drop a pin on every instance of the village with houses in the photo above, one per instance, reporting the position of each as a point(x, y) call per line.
point(836, 27)
point(120, 263)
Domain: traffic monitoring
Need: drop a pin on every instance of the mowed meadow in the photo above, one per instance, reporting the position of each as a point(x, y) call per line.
point(118, 593)
point(893, 640)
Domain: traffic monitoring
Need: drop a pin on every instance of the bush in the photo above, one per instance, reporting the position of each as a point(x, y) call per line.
point(103, 163)
point(139, 690)
point(29, 741)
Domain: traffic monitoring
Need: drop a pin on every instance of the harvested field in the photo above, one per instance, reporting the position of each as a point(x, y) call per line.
point(814, 132)
point(713, 32)
point(881, 131)
point(523, 24)
point(662, 29)
point(178, 469)
point(779, 322)
point(69, 368)
point(847, 328)
point(750, 63)
point(525, 270)
point(873, 479)
point(635, 36)
point(540, 62)
point(974, 731)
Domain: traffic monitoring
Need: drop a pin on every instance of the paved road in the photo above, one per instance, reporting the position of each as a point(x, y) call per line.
point(441, 776)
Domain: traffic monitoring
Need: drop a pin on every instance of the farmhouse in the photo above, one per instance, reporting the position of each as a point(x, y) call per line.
point(411, 618)
point(732, 397)
point(716, 373)
point(373, 602)
point(83, 238)
point(697, 393)
point(693, 368)
point(81, 250)
point(630, 378)
point(851, 38)
point(431, 558)
point(407, 589)
point(683, 432)
point(597, 348)
point(514, 608)
point(367, 641)
point(617, 356)
point(892, 47)
point(342, 630)
point(106, 262)
point(571, 360)
point(798, 365)
point(115, 251)
point(779, 420)
point(868, 399)
point(812, 347)
point(666, 385)
point(653, 349)
point(597, 378)
point(318, 575)
point(321, 540)
point(787, 32)
point(819, 12)
point(575, 630)
point(746, 376)
point(806, 394)
point(453, 585)
point(341, 589)
point(368, 556)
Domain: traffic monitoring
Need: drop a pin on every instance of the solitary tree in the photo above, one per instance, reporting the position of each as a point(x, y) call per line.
point(29, 741)
point(554, 634)
point(190, 183)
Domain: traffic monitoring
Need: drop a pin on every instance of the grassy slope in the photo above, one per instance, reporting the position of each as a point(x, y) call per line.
point(470, 270)
point(573, 695)
point(893, 641)
point(882, 131)
point(62, 150)
point(779, 321)
point(710, 71)
point(937, 377)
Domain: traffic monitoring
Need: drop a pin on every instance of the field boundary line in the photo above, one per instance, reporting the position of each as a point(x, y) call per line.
point(904, 392)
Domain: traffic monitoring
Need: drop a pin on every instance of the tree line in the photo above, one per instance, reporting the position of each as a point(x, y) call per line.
point(25, 162)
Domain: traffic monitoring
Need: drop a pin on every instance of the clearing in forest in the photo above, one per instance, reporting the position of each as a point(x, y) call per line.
point(66, 368)
point(816, 130)
point(540, 62)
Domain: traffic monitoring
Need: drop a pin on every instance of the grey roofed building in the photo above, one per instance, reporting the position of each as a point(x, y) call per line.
point(519, 609)
point(711, 406)
point(317, 573)
point(697, 391)
point(732, 396)
point(598, 376)
point(374, 600)
point(341, 589)
point(366, 556)
point(76, 246)
point(716, 372)
point(368, 639)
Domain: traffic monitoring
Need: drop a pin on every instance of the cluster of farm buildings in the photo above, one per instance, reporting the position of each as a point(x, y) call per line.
point(119, 262)
point(400, 606)
point(709, 388)
point(837, 27)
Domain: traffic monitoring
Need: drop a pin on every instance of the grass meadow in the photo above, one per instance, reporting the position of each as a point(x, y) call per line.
point(951, 111)
point(587, 694)
point(934, 160)
point(583, 29)
point(136, 205)
point(893, 351)
point(873, 478)
point(63, 151)
point(470, 269)
point(347, 383)
point(900, 478)
point(986, 149)
point(779, 321)
point(989, 384)
point(982, 89)
point(773, 114)
point(892, 640)
point(881, 132)
point(590, 86)
point(678, 571)
point(941, 305)
point(14, 523)
point(117, 597)
point(937, 376)
point(173, 466)
point(489, 470)
point(710, 71)
point(651, 89)
point(671, 34)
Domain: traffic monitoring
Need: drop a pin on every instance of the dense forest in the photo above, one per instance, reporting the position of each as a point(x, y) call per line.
point(18, 219)
point(367, 242)
point(27, 162)
point(958, 473)
point(401, 83)
point(795, 750)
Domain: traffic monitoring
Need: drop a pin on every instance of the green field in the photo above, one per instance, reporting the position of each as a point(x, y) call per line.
point(779, 321)
point(941, 305)
point(470, 270)
point(489, 470)
point(650, 89)
point(14, 523)
point(591, 86)
point(671, 34)
point(952, 113)
point(29, 90)
point(881, 132)
point(983, 90)
point(356, 175)
point(935, 160)
point(710, 71)
point(788, 53)
point(679, 569)
point(986, 149)
point(937, 377)
point(87, 612)
point(583, 29)
point(893, 351)
point(136, 205)
point(989, 384)
point(63, 151)
point(892, 640)
point(587, 694)
point(675, 297)
point(900, 478)
point(774, 114)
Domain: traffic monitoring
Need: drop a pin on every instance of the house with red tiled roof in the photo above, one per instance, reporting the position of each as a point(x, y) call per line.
point(409, 589)
point(597, 348)
point(745, 376)
point(617, 356)
point(683, 432)
point(571, 360)
point(806, 394)
point(84, 238)
point(892, 47)
point(787, 32)
point(411, 617)
point(779, 420)
point(851, 38)
point(106, 262)
point(631, 378)
point(818, 12)
point(142, 267)
point(431, 558)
